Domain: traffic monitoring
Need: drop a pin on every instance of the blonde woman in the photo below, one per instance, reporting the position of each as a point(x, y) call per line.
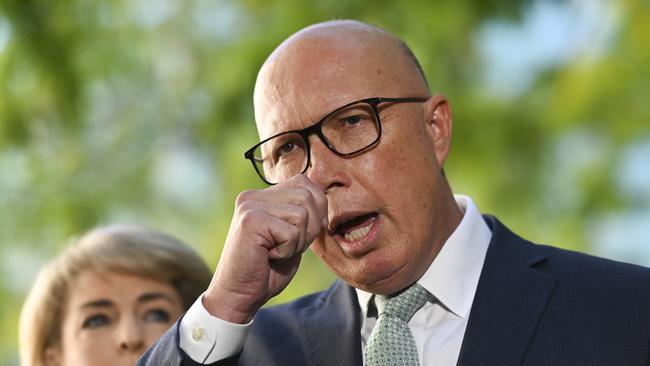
point(108, 297)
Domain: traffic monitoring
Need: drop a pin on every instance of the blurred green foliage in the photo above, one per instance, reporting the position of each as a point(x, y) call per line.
point(140, 110)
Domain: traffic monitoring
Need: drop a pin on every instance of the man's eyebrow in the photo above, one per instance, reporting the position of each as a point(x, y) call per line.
point(151, 296)
point(101, 303)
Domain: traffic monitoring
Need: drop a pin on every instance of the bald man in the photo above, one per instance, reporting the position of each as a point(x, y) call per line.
point(353, 146)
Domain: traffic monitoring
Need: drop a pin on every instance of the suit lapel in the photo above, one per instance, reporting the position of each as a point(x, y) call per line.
point(509, 301)
point(331, 328)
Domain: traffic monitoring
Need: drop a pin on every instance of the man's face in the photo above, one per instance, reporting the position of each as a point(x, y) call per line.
point(382, 203)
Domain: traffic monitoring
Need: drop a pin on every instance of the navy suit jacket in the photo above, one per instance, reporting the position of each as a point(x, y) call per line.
point(534, 305)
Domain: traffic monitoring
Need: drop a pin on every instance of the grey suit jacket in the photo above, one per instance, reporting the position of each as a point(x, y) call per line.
point(534, 305)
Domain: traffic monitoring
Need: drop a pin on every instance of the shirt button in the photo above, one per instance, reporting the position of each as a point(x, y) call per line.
point(198, 333)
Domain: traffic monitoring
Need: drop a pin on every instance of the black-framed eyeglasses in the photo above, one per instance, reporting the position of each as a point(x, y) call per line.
point(346, 131)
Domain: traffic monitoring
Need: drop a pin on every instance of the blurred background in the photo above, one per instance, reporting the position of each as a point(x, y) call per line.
point(140, 110)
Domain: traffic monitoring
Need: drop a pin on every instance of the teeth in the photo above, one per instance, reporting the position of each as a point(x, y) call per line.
point(357, 234)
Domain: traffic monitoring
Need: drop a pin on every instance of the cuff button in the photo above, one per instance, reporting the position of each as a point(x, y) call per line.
point(198, 334)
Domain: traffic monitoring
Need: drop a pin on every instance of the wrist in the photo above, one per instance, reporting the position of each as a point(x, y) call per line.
point(226, 307)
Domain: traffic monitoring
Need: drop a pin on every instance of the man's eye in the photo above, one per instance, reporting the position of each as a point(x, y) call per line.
point(285, 149)
point(157, 316)
point(353, 120)
point(95, 321)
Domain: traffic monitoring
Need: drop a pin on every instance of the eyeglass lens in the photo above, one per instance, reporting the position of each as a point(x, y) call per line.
point(346, 131)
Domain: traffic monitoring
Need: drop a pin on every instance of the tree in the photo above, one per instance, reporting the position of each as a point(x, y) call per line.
point(140, 111)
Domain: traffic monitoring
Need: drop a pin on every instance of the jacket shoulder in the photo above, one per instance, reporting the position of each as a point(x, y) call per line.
point(579, 309)
point(565, 265)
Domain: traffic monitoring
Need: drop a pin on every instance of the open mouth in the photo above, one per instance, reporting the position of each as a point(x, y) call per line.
point(356, 228)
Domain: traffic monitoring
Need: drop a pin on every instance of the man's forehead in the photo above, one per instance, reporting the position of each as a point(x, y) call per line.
point(298, 108)
point(323, 67)
point(311, 66)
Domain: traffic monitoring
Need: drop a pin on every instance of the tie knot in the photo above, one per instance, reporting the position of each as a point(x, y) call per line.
point(404, 304)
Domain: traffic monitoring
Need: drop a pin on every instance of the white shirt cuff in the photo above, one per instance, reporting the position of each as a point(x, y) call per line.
point(208, 339)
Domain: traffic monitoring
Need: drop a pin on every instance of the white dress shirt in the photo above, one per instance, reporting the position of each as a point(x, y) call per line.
point(438, 327)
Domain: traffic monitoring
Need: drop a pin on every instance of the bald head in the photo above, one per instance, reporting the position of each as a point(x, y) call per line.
point(328, 64)
point(351, 31)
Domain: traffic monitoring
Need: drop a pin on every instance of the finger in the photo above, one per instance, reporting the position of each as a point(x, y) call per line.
point(293, 214)
point(320, 200)
point(312, 193)
point(300, 191)
point(285, 236)
point(297, 193)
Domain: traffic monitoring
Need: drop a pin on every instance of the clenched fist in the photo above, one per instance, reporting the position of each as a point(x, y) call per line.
point(270, 230)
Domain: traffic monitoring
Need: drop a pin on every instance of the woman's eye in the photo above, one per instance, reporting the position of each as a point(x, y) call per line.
point(95, 321)
point(157, 316)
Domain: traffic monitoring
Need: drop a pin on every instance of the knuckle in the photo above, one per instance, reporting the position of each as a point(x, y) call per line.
point(247, 209)
point(302, 215)
point(249, 217)
point(245, 206)
point(301, 179)
point(304, 196)
point(244, 196)
point(294, 234)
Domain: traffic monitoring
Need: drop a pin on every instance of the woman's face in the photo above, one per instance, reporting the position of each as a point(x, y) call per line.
point(112, 318)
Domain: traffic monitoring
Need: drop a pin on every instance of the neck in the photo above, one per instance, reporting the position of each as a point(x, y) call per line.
point(447, 217)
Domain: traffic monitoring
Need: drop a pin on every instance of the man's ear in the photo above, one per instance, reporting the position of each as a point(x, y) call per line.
point(439, 123)
point(52, 356)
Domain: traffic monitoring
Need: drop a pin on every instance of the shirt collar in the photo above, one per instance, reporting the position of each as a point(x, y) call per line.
point(453, 275)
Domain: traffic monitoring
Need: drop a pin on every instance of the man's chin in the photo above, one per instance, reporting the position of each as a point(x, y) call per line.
point(382, 280)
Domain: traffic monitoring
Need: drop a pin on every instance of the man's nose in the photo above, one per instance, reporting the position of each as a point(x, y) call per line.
point(325, 166)
point(130, 335)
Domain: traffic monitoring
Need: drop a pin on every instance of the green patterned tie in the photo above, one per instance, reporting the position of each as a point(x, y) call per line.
point(391, 341)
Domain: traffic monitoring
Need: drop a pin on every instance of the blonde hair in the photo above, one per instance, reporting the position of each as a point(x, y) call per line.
point(118, 248)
